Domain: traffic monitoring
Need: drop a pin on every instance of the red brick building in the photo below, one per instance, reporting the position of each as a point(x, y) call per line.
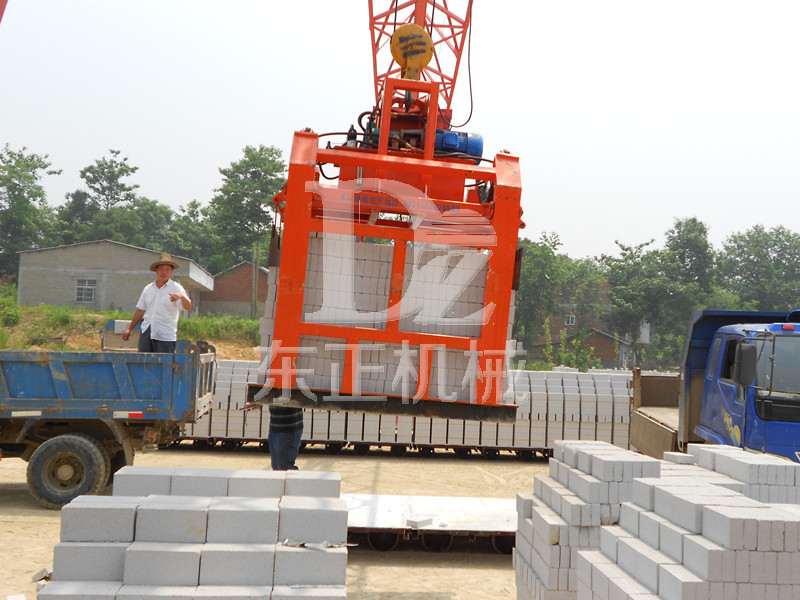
point(233, 292)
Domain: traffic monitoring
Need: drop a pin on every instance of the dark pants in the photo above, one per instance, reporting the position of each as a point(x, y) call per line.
point(283, 449)
point(148, 345)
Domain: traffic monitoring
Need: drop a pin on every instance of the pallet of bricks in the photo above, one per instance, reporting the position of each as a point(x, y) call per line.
point(561, 404)
point(715, 524)
point(217, 534)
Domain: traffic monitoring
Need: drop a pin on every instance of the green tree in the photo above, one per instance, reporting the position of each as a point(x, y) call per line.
point(582, 291)
point(25, 217)
point(192, 235)
point(536, 297)
point(75, 218)
point(240, 210)
point(156, 221)
point(688, 264)
point(105, 177)
point(120, 224)
point(763, 268)
point(638, 290)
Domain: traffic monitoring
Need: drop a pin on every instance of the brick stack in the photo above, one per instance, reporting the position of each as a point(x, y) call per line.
point(587, 484)
point(689, 532)
point(204, 533)
point(600, 411)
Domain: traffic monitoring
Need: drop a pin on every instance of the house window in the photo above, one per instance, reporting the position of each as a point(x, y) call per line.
point(570, 320)
point(85, 290)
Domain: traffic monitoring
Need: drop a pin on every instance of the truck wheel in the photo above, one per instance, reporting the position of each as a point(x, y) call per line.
point(103, 452)
point(63, 468)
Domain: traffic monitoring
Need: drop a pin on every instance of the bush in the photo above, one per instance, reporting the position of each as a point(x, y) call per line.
point(224, 328)
point(9, 311)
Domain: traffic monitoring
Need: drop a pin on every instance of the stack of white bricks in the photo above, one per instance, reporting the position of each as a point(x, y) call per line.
point(587, 484)
point(347, 283)
point(204, 533)
point(553, 405)
point(687, 533)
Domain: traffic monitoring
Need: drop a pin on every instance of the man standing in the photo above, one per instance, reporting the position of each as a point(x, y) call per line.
point(285, 432)
point(158, 309)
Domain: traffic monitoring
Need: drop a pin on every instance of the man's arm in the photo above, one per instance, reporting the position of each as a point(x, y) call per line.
point(186, 302)
point(137, 316)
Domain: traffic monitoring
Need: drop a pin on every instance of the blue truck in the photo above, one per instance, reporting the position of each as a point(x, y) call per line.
point(739, 385)
point(78, 417)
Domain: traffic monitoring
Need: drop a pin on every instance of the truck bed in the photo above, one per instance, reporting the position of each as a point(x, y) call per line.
point(113, 385)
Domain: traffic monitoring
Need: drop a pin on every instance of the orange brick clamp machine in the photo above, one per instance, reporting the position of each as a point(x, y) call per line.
point(407, 180)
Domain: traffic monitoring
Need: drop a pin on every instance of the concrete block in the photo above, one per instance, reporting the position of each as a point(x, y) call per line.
point(177, 519)
point(676, 582)
point(641, 561)
point(89, 561)
point(679, 458)
point(237, 564)
point(233, 592)
point(313, 483)
point(156, 592)
point(629, 517)
point(285, 592)
point(670, 540)
point(80, 590)
point(243, 520)
point(151, 563)
point(313, 519)
point(99, 519)
point(200, 482)
point(703, 557)
point(306, 566)
point(263, 484)
point(609, 538)
point(143, 481)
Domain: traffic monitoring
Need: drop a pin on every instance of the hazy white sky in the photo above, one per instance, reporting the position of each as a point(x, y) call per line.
point(625, 114)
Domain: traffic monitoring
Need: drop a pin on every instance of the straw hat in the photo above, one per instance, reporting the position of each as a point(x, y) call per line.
point(164, 259)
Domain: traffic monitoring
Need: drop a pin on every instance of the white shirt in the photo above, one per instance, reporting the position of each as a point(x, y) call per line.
point(161, 314)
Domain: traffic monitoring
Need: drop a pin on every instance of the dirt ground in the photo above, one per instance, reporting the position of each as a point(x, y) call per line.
point(29, 532)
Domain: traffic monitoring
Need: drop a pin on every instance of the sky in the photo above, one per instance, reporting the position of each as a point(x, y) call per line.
point(626, 115)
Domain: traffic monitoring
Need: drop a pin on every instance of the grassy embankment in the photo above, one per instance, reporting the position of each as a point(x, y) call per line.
point(63, 328)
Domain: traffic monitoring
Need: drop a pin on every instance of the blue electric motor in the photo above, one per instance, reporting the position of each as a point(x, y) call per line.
point(459, 141)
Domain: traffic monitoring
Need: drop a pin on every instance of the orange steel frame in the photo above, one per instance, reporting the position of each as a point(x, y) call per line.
point(448, 31)
point(302, 213)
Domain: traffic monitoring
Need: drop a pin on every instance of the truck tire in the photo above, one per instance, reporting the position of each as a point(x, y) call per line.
point(103, 452)
point(65, 467)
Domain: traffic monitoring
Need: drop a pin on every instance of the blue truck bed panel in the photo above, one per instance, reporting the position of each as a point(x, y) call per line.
point(81, 385)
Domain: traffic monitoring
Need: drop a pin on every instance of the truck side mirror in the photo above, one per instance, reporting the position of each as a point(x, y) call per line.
point(747, 364)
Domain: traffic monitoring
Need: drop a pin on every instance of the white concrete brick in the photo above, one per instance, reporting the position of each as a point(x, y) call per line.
point(629, 517)
point(676, 582)
point(179, 519)
point(703, 557)
point(313, 483)
point(156, 592)
point(80, 590)
point(200, 482)
point(609, 538)
point(679, 458)
point(305, 566)
point(89, 561)
point(143, 481)
point(99, 519)
point(232, 592)
point(243, 520)
point(264, 484)
point(313, 519)
point(151, 563)
point(237, 564)
point(284, 592)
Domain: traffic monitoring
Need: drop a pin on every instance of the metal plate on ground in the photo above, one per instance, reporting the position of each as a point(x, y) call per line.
point(454, 515)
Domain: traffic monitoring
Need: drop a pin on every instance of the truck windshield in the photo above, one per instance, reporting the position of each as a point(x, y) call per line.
point(778, 367)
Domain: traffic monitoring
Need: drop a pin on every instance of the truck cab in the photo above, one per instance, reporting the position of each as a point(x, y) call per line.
point(751, 388)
